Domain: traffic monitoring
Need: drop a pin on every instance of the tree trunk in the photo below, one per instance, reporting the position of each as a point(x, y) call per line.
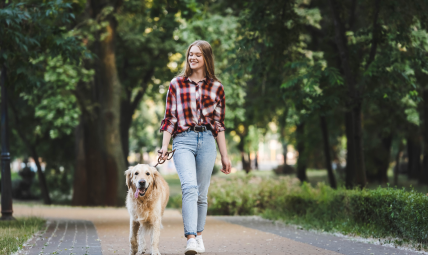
point(40, 175)
point(424, 173)
point(397, 167)
point(360, 174)
point(324, 129)
point(302, 160)
point(386, 144)
point(100, 104)
point(128, 107)
point(256, 160)
point(350, 147)
point(414, 151)
point(125, 125)
point(354, 94)
point(31, 147)
point(80, 185)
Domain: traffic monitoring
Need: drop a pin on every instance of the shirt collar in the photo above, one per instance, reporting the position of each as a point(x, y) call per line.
point(204, 79)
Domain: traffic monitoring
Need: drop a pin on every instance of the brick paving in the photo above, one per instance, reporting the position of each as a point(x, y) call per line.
point(65, 237)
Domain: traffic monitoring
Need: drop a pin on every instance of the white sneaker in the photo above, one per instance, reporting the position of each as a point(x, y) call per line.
point(200, 243)
point(191, 248)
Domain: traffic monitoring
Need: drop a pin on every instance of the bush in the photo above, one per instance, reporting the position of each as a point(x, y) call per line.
point(384, 212)
point(174, 202)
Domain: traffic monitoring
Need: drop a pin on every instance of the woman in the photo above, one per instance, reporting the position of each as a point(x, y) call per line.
point(194, 116)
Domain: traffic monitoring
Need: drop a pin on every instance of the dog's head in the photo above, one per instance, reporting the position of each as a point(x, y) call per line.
point(140, 178)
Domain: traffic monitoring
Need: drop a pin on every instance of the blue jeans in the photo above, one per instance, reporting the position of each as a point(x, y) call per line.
point(194, 160)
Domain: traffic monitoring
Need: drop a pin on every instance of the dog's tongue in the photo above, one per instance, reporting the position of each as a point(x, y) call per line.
point(137, 193)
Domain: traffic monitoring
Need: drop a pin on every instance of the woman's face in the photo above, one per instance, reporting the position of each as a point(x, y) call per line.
point(196, 60)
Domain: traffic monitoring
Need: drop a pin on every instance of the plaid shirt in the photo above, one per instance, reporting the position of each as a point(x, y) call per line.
point(189, 104)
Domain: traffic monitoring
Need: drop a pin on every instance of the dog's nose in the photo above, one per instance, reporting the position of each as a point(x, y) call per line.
point(141, 183)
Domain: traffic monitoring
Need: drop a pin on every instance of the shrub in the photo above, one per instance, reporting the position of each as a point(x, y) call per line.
point(383, 212)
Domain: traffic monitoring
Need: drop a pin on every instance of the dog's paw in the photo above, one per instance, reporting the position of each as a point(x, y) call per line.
point(141, 250)
point(155, 252)
point(131, 252)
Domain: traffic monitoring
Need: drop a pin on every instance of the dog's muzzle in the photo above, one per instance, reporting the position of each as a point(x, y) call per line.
point(140, 192)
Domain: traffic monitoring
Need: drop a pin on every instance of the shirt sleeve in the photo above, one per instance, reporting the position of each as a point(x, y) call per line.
point(170, 119)
point(220, 110)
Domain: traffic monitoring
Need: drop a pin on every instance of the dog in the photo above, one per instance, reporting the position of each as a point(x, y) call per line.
point(148, 194)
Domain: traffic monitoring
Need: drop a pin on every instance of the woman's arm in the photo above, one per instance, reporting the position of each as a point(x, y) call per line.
point(221, 142)
point(165, 142)
point(170, 120)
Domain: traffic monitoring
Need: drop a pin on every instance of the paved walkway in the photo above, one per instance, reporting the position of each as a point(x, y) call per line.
point(70, 232)
point(321, 240)
point(65, 237)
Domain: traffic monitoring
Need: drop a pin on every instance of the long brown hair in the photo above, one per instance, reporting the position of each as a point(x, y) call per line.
point(207, 54)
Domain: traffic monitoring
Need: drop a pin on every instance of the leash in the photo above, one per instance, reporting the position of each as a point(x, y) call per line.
point(168, 156)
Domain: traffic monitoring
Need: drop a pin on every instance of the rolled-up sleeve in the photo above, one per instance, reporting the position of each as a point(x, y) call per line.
point(220, 110)
point(170, 119)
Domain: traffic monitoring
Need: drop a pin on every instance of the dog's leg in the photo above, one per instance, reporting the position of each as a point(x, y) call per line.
point(141, 239)
point(155, 237)
point(134, 226)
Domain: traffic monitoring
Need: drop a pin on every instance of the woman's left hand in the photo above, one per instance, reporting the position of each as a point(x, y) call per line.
point(226, 165)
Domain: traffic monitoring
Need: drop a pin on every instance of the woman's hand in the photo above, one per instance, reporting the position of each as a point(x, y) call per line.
point(162, 152)
point(165, 143)
point(226, 166)
point(225, 161)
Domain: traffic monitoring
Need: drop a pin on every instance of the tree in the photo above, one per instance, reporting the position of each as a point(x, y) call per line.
point(29, 31)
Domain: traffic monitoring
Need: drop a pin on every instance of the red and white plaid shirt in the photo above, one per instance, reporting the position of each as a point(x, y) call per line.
point(191, 104)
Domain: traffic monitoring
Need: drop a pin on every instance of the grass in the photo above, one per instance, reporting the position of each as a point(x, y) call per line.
point(13, 234)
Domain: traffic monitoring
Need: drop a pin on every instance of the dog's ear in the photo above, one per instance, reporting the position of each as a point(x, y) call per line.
point(155, 176)
point(128, 174)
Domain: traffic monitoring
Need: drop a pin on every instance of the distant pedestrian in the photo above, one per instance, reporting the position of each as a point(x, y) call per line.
point(194, 117)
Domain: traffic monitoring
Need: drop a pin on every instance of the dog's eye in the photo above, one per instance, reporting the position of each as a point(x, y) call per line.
point(136, 173)
point(147, 173)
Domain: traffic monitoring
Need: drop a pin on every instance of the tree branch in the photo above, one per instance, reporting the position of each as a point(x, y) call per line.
point(142, 91)
point(343, 49)
point(375, 35)
point(352, 15)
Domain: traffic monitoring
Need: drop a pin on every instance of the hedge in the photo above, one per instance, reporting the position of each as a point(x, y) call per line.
point(383, 212)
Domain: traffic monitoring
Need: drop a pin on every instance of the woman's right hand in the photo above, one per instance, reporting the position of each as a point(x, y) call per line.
point(162, 152)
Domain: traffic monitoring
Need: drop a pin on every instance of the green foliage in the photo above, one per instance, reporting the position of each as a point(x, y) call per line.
point(32, 29)
point(13, 234)
point(383, 212)
point(174, 202)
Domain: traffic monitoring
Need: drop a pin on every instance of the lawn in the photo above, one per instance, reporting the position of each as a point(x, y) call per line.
point(13, 234)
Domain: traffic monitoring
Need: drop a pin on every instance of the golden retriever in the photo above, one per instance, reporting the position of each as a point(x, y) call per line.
point(148, 194)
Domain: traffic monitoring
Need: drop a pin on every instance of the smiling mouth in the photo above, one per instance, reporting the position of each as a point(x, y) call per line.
point(140, 192)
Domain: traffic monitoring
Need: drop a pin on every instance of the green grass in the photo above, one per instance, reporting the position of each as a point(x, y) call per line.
point(13, 234)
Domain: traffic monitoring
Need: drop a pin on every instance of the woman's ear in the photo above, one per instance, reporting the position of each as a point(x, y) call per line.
point(128, 174)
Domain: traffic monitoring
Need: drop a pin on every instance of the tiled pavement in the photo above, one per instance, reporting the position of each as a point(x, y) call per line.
point(65, 237)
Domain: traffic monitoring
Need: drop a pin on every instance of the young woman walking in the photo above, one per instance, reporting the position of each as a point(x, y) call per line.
point(194, 117)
